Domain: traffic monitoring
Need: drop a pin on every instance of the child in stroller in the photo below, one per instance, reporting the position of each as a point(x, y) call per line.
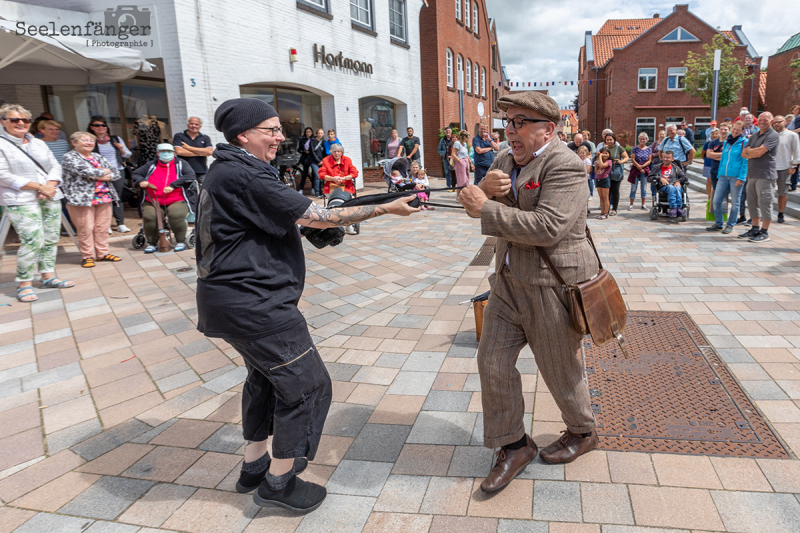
point(670, 181)
point(396, 176)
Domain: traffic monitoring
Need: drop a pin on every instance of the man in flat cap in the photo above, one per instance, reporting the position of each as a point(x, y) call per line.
point(251, 271)
point(533, 196)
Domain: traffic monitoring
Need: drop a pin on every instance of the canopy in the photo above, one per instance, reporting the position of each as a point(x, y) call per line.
point(63, 59)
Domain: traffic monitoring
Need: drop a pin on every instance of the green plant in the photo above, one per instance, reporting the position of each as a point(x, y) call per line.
point(699, 78)
point(625, 138)
point(628, 149)
point(456, 131)
point(795, 66)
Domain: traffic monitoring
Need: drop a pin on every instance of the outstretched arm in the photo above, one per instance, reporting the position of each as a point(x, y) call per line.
point(318, 217)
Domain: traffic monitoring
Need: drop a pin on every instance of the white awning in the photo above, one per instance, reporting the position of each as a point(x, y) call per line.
point(63, 59)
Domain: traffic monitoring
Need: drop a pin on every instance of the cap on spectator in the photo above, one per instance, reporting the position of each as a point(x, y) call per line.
point(240, 114)
point(536, 102)
point(165, 147)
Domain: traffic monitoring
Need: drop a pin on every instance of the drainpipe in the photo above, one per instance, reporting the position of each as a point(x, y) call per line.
point(752, 82)
point(595, 103)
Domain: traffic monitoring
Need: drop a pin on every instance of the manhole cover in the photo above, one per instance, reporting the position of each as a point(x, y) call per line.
point(673, 395)
point(485, 254)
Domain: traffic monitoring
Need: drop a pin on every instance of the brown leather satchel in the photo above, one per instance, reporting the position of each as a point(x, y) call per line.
point(596, 306)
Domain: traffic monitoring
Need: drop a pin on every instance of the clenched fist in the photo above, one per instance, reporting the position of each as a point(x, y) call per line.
point(496, 183)
point(472, 198)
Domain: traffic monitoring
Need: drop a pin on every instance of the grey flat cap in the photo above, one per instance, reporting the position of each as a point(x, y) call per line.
point(537, 102)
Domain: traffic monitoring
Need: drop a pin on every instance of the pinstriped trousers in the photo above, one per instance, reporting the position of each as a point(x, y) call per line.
point(518, 314)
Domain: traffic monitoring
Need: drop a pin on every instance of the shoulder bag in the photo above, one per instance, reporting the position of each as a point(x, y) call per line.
point(595, 306)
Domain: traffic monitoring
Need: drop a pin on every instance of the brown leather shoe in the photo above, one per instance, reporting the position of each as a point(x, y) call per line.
point(508, 466)
point(569, 447)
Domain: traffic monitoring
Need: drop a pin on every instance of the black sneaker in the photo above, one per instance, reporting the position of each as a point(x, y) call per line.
point(748, 222)
point(740, 220)
point(752, 232)
point(298, 495)
point(714, 227)
point(780, 218)
point(761, 237)
point(248, 482)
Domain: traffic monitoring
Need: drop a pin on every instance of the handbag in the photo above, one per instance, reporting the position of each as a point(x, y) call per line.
point(616, 172)
point(596, 305)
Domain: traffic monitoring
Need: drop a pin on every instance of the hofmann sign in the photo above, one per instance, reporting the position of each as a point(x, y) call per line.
point(340, 61)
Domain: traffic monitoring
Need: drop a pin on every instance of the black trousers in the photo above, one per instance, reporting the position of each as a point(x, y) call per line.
point(287, 393)
point(613, 194)
point(119, 208)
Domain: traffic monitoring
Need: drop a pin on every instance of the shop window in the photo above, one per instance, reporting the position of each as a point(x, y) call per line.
point(475, 17)
point(646, 125)
point(648, 78)
point(361, 12)
point(449, 68)
point(397, 19)
point(466, 13)
point(377, 121)
point(676, 80)
point(469, 77)
point(297, 110)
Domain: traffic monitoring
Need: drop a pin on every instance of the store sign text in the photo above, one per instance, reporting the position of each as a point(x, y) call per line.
point(339, 61)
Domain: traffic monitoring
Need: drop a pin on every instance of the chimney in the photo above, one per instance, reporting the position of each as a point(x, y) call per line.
point(655, 15)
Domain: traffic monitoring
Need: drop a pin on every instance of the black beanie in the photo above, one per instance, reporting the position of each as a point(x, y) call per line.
point(240, 114)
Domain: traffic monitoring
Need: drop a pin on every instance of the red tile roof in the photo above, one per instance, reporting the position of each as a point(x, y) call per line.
point(627, 26)
point(604, 45)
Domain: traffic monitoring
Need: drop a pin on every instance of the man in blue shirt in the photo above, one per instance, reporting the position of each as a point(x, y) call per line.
point(681, 148)
point(484, 148)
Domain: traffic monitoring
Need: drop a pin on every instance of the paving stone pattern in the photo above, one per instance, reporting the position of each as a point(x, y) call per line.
point(119, 417)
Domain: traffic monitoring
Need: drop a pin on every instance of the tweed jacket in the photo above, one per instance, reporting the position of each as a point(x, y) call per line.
point(80, 178)
point(551, 215)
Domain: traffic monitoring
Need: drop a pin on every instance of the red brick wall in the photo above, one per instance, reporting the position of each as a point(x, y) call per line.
point(440, 30)
point(783, 89)
point(620, 106)
point(372, 175)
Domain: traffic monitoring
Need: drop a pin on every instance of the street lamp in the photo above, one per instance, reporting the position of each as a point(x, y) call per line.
point(715, 92)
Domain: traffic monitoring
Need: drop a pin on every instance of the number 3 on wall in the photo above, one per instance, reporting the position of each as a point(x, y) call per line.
point(193, 82)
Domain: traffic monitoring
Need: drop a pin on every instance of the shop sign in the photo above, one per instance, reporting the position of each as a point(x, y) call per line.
point(340, 61)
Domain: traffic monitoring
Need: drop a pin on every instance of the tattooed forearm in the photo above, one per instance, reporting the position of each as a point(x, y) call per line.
point(317, 217)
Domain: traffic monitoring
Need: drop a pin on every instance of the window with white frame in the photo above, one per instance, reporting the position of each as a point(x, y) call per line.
point(701, 124)
point(648, 78)
point(476, 79)
point(321, 4)
point(360, 12)
point(475, 17)
point(449, 68)
point(483, 82)
point(466, 13)
point(397, 19)
point(458, 9)
point(646, 125)
point(676, 80)
point(460, 72)
point(677, 35)
point(469, 77)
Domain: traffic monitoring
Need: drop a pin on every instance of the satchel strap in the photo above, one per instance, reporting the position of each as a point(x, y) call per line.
point(26, 153)
point(553, 268)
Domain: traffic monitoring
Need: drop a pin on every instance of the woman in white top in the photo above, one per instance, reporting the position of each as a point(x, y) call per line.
point(394, 148)
point(51, 135)
point(461, 154)
point(30, 178)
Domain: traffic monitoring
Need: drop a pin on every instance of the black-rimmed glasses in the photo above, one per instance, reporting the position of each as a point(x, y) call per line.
point(519, 122)
point(272, 131)
point(99, 125)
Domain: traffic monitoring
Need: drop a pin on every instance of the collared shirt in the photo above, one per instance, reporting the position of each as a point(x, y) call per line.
point(788, 153)
point(515, 173)
point(679, 146)
point(198, 163)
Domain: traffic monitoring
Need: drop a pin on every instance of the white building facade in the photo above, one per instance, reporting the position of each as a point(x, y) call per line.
point(364, 85)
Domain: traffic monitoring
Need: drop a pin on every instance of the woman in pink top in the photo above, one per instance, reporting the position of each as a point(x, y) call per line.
point(393, 146)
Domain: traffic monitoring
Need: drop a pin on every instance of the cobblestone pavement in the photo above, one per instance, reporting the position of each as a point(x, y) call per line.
point(117, 416)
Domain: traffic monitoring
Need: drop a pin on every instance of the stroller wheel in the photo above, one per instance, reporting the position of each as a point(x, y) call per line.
point(190, 241)
point(654, 213)
point(139, 241)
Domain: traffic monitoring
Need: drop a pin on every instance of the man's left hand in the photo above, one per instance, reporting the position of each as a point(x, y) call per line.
point(472, 198)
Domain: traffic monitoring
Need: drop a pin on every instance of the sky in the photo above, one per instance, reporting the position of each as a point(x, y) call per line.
point(540, 40)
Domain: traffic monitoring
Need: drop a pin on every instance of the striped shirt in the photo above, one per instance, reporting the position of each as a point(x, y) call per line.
point(59, 148)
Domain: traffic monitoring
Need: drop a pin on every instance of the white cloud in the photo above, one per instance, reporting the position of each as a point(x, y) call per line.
point(540, 39)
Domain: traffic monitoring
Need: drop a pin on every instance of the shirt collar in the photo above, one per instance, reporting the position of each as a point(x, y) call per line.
point(540, 150)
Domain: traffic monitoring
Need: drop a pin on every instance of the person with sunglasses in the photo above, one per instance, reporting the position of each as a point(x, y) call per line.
point(114, 150)
point(30, 181)
point(251, 271)
point(533, 198)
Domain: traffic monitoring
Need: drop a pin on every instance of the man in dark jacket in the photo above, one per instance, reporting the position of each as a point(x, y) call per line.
point(671, 179)
point(251, 271)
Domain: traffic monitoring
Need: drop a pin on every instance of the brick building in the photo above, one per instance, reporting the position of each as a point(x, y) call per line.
point(569, 123)
point(636, 74)
point(782, 87)
point(458, 41)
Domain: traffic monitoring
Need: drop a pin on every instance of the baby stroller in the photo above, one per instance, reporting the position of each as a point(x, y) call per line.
point(660, 204)
point(401, 165)
point(140, 241)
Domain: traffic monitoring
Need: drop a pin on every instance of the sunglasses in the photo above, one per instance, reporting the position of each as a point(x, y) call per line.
point(18, 120)
point(99, 125)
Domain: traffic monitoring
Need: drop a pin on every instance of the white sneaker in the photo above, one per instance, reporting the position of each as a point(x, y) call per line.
point(122, 228)
point(110, 231)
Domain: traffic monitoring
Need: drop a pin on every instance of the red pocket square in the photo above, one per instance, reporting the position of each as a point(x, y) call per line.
point(529, 186)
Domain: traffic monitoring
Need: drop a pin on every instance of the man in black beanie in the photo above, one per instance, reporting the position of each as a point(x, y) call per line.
point(251, 271)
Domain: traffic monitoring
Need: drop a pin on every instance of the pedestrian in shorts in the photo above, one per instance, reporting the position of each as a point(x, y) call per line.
point(762, 174)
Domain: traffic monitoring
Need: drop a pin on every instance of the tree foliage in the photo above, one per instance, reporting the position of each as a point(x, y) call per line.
point(795, 66)
point(700, 73)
